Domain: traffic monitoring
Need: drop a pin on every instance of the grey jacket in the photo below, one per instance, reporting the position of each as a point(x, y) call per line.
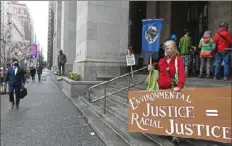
point(61, 59)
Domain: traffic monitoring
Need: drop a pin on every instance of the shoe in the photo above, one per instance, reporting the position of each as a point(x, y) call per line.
point(12, 104)
point(17, 106)
point(176, 139)
point(226, 78)
point(216, 78)
point(208, 77)
point(200, 76)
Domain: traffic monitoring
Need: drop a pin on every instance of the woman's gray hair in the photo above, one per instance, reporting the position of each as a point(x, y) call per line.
point(169, 43)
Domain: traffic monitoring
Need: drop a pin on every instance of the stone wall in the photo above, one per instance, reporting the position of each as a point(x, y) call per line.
point(219, 11)
point(103, 27)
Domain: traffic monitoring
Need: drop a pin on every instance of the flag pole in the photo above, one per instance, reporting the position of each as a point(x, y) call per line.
point(150, 72)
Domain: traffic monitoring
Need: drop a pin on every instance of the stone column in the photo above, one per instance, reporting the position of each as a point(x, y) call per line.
point(57, 33)
point(219, 12)
point(151, 10)
point(165, 13)
point(68, 32)
point(102, 38)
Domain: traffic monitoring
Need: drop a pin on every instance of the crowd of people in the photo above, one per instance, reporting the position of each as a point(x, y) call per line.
point(213, 49)
point(171, 70)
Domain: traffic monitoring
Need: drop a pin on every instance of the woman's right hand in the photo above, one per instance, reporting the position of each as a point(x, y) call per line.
point(150, 67)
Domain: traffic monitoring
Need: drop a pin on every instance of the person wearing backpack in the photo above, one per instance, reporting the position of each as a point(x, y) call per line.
point(207, 46)
point(223, 40)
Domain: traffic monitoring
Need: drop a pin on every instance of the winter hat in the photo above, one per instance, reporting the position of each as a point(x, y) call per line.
point(207, 34)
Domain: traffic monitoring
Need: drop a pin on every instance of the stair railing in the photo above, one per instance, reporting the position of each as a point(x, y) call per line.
point(114, 79)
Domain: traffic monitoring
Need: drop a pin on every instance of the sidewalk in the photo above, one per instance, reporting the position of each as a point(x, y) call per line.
point(45, 118)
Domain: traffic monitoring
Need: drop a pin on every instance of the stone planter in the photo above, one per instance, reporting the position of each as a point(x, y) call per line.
point(75, 88)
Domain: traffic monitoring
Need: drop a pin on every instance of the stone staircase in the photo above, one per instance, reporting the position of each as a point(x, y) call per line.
point(112, 127)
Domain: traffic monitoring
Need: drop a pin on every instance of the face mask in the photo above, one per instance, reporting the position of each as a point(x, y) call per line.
point(169, 52)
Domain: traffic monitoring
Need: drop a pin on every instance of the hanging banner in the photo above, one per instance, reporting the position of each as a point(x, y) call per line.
point(34, 51)
point(198, 113)
point(151, 35)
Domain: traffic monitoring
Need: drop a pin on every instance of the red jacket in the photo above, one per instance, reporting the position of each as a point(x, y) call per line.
point(222, 44)
point(164, 80)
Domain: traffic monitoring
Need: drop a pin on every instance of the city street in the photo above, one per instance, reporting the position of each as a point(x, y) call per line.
point(45, 118)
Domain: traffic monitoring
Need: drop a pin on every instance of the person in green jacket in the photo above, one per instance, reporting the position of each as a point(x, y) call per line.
point(207, 47)
point(185, 45)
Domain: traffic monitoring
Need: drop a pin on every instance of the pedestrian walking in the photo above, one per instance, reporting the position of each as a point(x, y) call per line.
point(61, 59)
point(207, 47)
point(1, 81)
point(33, 72)
point(39, 72)
point(15, 80)
point(223, 40)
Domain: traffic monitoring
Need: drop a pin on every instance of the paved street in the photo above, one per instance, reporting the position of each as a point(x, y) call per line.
point(45, 118)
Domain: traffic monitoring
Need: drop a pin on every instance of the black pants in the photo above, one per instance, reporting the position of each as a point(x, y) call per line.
point(61, 69)
point(15, 89)
point(33, 77)
point(39, 77)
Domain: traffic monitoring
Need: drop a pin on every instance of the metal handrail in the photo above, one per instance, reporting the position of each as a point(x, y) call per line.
point(116, 78)
point(117, 91)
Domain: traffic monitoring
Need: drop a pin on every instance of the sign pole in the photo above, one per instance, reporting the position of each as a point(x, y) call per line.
point(132, 71)
point(130, 59)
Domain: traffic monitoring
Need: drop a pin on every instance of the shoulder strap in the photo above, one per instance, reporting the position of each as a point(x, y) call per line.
point(176, 66)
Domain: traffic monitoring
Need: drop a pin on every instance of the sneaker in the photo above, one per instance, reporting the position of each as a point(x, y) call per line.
point(12, 105)
point(17, 106)
point(216, 78)
point(175, 139)
point(226, 78)
point(200, 76)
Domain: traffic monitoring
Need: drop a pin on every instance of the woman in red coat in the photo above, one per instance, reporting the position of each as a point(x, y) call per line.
point(171, 69)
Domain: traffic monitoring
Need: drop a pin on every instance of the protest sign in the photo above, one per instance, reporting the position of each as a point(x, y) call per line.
point(199, 113)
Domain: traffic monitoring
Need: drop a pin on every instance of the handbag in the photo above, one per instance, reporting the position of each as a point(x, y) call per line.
point(23, 92)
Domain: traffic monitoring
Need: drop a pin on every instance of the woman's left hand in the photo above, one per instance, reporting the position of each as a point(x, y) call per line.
point(176, 89)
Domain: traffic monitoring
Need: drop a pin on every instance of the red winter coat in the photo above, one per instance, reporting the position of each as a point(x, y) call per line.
point(222, 44)
point(164, 80)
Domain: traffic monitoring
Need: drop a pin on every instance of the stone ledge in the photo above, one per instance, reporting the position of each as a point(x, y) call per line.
point(75, 88)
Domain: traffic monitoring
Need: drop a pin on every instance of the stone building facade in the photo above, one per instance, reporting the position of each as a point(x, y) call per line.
point(99, 32)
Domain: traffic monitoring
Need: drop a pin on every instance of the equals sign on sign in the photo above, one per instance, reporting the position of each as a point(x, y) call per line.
point(211, 113)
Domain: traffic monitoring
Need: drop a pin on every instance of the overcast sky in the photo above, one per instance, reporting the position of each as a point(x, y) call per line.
point(39, 14)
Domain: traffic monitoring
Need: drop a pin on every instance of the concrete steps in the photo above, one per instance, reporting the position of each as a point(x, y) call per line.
point(117, 106)
point(107, 134)
point(116, 118)
point(119, 127)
